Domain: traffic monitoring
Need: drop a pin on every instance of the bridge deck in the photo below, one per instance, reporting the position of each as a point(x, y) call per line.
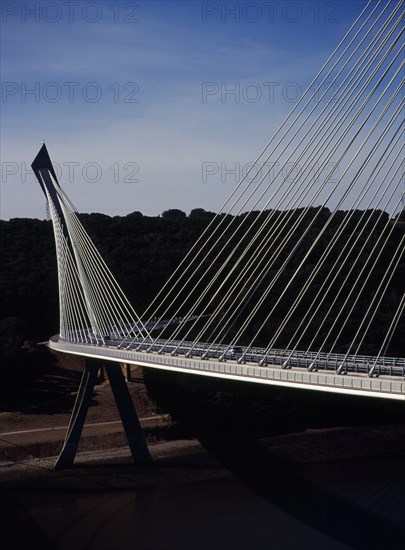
point(352, 383)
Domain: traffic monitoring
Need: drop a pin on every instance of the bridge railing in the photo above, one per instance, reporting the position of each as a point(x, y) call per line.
point(246, 371)
point(284, 359)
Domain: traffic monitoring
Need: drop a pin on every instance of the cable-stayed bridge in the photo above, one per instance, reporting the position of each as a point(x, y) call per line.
point(298, 280)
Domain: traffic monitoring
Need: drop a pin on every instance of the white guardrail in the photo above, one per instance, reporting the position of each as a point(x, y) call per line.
point(351, 383)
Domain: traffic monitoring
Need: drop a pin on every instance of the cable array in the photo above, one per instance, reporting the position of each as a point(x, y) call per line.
point(93, 308)
point(348, 127)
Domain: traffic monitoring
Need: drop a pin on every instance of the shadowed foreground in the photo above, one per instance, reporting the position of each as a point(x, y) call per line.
point(339, 488)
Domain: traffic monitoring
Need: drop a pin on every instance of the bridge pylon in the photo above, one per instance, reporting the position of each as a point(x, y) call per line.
point(93, 309)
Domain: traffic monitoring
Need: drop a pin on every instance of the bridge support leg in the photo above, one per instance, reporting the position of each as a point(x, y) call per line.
point(84, 395)
point(129, 418)
point(136, 438)
point(127, 370)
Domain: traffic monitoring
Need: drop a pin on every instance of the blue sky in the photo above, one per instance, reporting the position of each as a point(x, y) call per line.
point(140, 102)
